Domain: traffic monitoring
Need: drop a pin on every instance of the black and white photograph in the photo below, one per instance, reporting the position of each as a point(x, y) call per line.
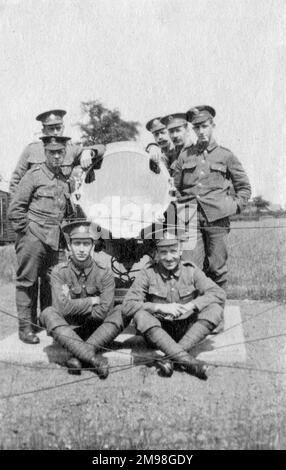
point(143, 227)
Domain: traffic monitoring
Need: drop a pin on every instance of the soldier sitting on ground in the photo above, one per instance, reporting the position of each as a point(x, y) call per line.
point(83, 295)
point(174, 306)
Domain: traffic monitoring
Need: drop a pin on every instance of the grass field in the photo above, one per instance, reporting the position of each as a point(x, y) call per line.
point(257, 260)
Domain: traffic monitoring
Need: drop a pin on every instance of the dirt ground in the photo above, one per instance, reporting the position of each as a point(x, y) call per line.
point(134, 408)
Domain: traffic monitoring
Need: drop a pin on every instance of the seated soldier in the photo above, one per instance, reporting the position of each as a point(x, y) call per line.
point(83, 295)
point(174, 306)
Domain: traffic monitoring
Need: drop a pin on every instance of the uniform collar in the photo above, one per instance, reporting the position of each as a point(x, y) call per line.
point(165, 274)
point(81, 269)
point(211, 146)
point(49, 173)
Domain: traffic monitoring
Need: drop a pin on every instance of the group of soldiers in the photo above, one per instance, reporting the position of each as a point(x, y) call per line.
point(176, 300)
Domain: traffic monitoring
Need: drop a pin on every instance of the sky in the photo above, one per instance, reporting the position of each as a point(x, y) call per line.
point(149, 58)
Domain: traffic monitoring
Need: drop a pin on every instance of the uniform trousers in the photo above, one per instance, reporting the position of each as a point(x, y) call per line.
point(177, 328)
point(35, 259)
point(210, 252)
point(51, 319)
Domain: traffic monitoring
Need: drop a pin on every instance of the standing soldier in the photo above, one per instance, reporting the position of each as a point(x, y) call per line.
point(82, 295)
point(168, 153)
point(204, 174)
point(174, 305)
point(38, 207)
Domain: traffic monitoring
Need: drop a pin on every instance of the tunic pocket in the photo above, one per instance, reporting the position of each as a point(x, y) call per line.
point(75, 291)
point(186, 294)
point(157, 295)
point(48, 192)
point(217, 174)
point(92, 290)
point(189, 173)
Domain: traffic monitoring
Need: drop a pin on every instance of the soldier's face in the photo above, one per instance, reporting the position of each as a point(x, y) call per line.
point(54, 129)
point(178, 135)
point(162, 138)
point(204, 131)
point(55, 158)
point(81, 249)
point(169, 256)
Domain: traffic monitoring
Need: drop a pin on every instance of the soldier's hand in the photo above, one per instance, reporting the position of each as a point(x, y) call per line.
point(95, 300)
point(155, 153)
point(189, 307)
point(86, 159)
point(172, 311)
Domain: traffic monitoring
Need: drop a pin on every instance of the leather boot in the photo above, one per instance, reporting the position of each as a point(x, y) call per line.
point(100, 367)
point(176, 353)
point(81, 350)
point(194, 367)
point(27, 335)
point(74, 366)
point(165, 367)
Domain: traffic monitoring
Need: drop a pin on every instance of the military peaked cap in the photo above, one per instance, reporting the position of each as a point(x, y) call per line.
point(200, 114)
point(49, 118)
point(155, 125)
point(82, 229)
point(174, 120)
point(54, 142)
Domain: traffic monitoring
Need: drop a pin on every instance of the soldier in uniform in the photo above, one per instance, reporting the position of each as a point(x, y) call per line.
point(168, 152)
point(34, 154)
point(40, 203)
point(174, 305)
point(204, 174)
point(83, 295)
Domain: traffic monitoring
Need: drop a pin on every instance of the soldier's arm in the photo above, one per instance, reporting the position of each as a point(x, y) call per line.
point(18, 208)
point(177, 175)
point(106, 297)
point(86, 156)
point(209, 292)
point(135, 298)
point(61, 299)
point(239, 180)
point(20, 170)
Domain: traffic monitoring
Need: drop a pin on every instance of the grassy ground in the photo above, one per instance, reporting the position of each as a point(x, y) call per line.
point(257, 260)
point(236, 408)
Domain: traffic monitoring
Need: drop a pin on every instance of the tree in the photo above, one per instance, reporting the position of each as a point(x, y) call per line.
point(101, 125)
point(260, 203)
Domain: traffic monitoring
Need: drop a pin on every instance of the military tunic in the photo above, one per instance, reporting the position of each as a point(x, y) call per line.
point(40, 204)
point(206, 178)
point(72, 289)
point(187, 283)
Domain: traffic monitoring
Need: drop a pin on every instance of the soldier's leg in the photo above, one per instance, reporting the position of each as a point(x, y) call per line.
point(34, 307)
point(194, 249)
point(151, 329)
point(29, 251)
point(108, 330)
point(216, 249)
point(49, 261)
point(64, 334)
point(206, 322)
